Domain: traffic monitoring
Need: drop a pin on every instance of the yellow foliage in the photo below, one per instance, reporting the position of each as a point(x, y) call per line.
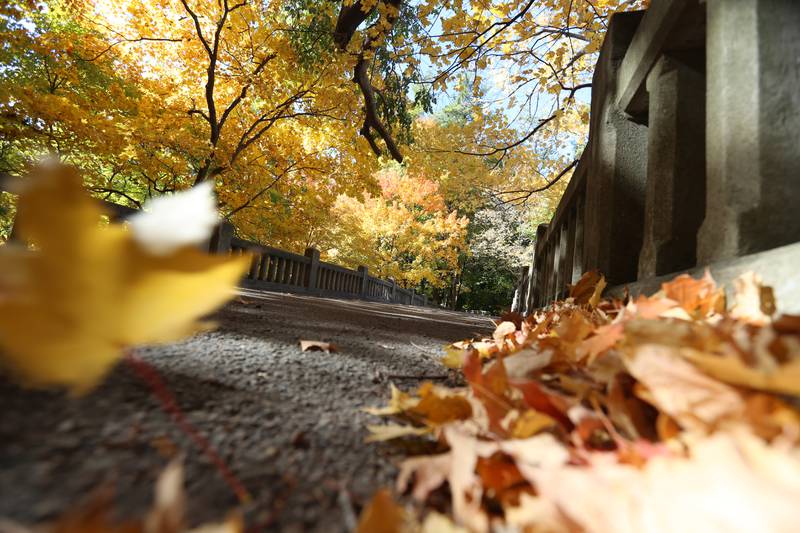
point(71, 304)
point(406, 233)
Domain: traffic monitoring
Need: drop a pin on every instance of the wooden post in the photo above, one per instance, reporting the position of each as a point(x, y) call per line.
point(313, 270)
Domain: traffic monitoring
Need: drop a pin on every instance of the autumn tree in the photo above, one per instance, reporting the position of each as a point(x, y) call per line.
point(405, 232)
point(289, 106)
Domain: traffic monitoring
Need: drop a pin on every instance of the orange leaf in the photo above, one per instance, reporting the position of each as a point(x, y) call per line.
point(382, 515)
point(697, 296)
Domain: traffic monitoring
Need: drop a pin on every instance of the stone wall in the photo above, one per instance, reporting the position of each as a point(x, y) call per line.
point(693, 157)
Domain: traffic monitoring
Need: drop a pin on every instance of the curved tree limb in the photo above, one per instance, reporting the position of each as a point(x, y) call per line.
point(350, 18)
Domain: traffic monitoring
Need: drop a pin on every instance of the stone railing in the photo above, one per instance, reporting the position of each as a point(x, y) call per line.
point(277, 270)
point(693, 158)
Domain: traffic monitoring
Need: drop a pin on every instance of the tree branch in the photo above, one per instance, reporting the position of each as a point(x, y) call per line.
point(524, 198)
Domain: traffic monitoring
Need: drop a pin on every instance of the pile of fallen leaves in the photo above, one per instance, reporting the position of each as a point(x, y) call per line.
point(674, 412)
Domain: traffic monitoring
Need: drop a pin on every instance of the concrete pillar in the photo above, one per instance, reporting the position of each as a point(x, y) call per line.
point(313, 268)
point(676, 177)
point(519, 291)
point(577, 254)
point(615, 185)
point(753, 127)
point(220, 242)
point(564, 255)
point(364, 291)
point(539, 262)
point(527, 304)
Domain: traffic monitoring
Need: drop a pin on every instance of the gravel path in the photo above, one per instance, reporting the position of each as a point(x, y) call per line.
point(287, 422)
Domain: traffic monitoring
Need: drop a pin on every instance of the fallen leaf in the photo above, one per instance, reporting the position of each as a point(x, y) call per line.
point(530, 423)
point(586, 289)
point(754, 302)
point(439, 523)
point(695, 400)
point(429, 472)
point(598, 292)
point(317, 346)
point(87, 291)
point(498, 472)
point(436, 407)
point(169, 509)
point(728, 482)
point(523, 363)
point(697, 296)
point(604, 338)
point(380, 433)
point(503, 330)
point(784, 380)
point(400, 402)
point(382, 515)
point(490, 388)
point(454, 357)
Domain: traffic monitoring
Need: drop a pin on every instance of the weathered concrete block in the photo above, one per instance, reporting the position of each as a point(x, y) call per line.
point(676, 189)
point(313, 268)
point(220, 242)
point(777, 268)
point(615, 187)
point(753, 120)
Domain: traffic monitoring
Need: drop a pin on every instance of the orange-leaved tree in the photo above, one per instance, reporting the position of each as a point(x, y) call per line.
point(405, 232)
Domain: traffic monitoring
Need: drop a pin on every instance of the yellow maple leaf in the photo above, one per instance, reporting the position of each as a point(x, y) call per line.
point(84, 292)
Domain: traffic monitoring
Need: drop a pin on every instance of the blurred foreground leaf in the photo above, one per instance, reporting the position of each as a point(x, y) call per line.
point(83, 292)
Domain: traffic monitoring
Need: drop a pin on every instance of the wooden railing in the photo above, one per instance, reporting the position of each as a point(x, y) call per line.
point(692, 159)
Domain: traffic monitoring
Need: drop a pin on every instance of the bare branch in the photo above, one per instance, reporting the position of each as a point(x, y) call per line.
point(524, 198)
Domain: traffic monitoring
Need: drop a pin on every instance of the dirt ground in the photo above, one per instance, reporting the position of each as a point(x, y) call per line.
point(288, 423)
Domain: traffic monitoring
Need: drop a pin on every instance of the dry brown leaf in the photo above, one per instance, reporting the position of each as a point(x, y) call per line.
point(646, 382)
point(380, 433)
point(317, 346)
point(530, 423)
point(699, 297)
point(729, 482)
point(437, 407)
point(598, 292)
point(439, 523)
point(169, 509)
point(604, 338)
point(753, 301)
point(400, 402)
point(586, 289)
point(523, 363)
point(503, 329)
point(784, 380)
point(87, 291)
point(676, 387)
point(383, 515)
